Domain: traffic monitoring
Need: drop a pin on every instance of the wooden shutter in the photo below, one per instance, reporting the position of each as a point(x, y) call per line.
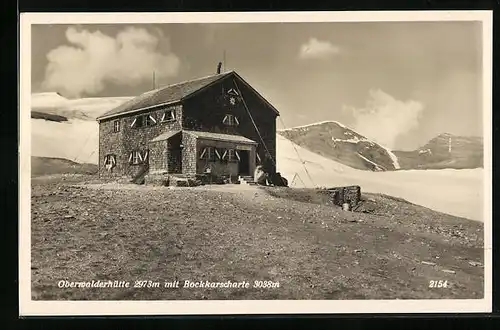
point(237, 155)
point(217, 153)
point(203, 153)
point(130, 157)
point(258, 157)
point(152, 118)
point(133, 122)
point(146, 153)
point(224, 154)
point(224, 121)
point(139, 155)
point(236, 120)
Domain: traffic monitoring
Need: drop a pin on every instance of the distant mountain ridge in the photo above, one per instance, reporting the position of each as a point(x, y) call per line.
point(336, 141)
point(51, 103)
point(445, 151)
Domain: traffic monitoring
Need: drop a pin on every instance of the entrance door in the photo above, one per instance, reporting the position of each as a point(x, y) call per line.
point(244, 163)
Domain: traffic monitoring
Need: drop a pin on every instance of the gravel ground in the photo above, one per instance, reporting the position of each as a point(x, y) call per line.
point(305, 249)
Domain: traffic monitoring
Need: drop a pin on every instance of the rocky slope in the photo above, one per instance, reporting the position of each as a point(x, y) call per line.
point(334, 140)
point(50, 165)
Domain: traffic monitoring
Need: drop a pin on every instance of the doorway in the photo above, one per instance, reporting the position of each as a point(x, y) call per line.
point(244, 164)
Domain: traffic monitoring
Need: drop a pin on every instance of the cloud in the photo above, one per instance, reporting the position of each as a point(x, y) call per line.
point(93, 59)
point(316, 49)
point(384, 118)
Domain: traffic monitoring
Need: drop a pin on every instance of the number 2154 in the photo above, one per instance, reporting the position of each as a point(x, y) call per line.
point(438, 284)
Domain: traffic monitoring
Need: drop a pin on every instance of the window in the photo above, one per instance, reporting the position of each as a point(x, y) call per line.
point(138, 157)
point(142, 121)
point(168, 115)
point(209, 153)
point(231, 155)
point(138, 122)
point(135, 158)
point(116, 126)
point(150, 120)
point(109, 161)
point(230, 120)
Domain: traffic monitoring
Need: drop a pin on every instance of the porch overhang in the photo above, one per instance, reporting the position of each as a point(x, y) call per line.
point(165, 136)
point(241, 141)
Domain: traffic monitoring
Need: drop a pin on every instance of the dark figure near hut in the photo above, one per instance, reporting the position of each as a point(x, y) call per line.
point(260, 177)
point(276, 179)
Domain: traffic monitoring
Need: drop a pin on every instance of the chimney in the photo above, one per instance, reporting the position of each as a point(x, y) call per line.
point(219, 66)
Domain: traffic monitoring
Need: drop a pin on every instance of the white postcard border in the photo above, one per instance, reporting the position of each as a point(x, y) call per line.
point(29, 307)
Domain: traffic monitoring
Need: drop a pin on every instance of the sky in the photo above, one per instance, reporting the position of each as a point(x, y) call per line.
point(398, 83)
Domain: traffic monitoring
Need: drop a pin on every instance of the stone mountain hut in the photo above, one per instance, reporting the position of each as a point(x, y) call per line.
point(217, 124)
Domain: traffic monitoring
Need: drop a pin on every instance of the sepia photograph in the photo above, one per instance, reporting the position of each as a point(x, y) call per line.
point(255, 163)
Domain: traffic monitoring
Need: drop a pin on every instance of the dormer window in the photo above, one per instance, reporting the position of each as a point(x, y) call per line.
point(168, 115)
point(230, 120)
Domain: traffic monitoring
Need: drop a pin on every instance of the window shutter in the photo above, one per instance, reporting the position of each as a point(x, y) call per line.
point(130, 157)
point(172, 114)
point(139, 155)
point(133, 122)
point(236, 120)
point(237, 155)
point(224, 121)
point(163, 116)
point(113, 160)
point(258, 157)
point(145, 155)
point(152, 118)
point(203, 153)
point(224, 154)
point(217, 153)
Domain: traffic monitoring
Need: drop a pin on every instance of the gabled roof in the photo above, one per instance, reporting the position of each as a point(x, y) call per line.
point(172, 94)
point(165, 95)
